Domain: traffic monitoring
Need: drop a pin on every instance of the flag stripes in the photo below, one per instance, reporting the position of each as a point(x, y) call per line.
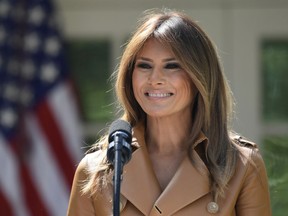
point(40, 136)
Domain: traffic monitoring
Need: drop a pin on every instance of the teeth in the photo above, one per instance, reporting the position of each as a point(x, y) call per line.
point(159, 94)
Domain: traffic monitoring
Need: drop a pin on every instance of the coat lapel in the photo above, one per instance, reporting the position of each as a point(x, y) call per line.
point(140, 185)
point(187, 185)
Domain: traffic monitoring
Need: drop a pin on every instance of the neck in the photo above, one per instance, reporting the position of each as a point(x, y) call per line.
point(167, 135)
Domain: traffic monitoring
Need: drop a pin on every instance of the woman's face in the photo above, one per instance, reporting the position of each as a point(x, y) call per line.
point(161, 87)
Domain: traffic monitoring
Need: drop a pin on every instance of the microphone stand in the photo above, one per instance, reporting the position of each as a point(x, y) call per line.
point(118, 168)
point(119, 153)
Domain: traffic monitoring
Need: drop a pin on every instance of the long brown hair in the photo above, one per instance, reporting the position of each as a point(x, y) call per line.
point(212, 106)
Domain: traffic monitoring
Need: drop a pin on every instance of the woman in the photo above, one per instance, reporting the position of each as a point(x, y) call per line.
point(185, 160)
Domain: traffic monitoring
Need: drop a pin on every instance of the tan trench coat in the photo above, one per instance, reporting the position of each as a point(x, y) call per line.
point(187, 194)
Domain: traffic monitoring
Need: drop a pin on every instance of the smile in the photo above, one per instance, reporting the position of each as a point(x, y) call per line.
point(159, 95)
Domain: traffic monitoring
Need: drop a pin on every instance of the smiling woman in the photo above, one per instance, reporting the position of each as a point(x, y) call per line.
point(161, 87)
point(185, 160)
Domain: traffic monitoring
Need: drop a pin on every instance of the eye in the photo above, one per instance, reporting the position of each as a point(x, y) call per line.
point(143, 65)
point(172, 66)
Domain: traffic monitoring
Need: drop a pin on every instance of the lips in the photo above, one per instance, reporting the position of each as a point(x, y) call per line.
point(158, 95)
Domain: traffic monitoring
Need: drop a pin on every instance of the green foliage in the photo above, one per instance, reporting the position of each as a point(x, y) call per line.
point(89, 62)
point(275, 80)
point(275, 153)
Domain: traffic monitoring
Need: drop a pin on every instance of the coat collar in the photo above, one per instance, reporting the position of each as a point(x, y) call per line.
point(140, 185)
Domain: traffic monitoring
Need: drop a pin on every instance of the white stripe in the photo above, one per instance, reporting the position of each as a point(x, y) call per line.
point(48, 178)
point(10, 180)
point(63, 106)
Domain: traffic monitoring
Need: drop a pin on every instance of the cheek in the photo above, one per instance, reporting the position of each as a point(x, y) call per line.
point(186, 85)
point(136, 83)
point(187, 91)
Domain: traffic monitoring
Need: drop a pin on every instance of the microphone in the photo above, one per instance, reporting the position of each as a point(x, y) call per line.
point(118, 153)
point(119, 139)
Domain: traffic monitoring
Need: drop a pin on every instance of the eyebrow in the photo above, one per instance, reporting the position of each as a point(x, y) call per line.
point(150, 60)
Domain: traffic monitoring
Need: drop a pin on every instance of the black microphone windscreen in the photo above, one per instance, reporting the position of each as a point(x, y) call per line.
point(120, 125)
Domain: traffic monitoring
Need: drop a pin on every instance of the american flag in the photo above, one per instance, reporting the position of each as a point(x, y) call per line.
point(39, 135)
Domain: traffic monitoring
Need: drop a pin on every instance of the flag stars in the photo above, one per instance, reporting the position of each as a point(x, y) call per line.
point(49, 72)
point(11, 92)
point(52, 46)
point(28, 69)
point(4, 8)
point(32, 42)
point(36, 15)
point(8, 118)
point(26, 96)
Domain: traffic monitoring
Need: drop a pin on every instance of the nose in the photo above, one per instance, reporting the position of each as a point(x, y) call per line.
point(156, 77)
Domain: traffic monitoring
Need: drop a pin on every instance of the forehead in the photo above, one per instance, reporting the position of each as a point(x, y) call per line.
point(153, 47)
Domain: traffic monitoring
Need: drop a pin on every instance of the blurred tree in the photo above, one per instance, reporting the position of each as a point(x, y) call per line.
point(89, 60)
point(275, 111)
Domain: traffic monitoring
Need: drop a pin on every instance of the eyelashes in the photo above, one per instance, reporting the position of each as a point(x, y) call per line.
point(143, 66)
point(172, 66)
point(169, 66)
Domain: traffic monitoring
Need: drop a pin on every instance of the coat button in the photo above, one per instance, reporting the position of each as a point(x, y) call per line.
point(212, 207)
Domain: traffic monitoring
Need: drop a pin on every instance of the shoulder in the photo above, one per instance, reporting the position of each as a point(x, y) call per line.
point(90, 162)
point(249, 156)
point(250, 175)
point(245, 147)
point(87, 170)
point(249, 153)
point(242, 142)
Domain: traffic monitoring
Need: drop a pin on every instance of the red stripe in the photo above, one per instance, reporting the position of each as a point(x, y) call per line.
point(33, 200)
point(56, 142)
point(5, 208)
